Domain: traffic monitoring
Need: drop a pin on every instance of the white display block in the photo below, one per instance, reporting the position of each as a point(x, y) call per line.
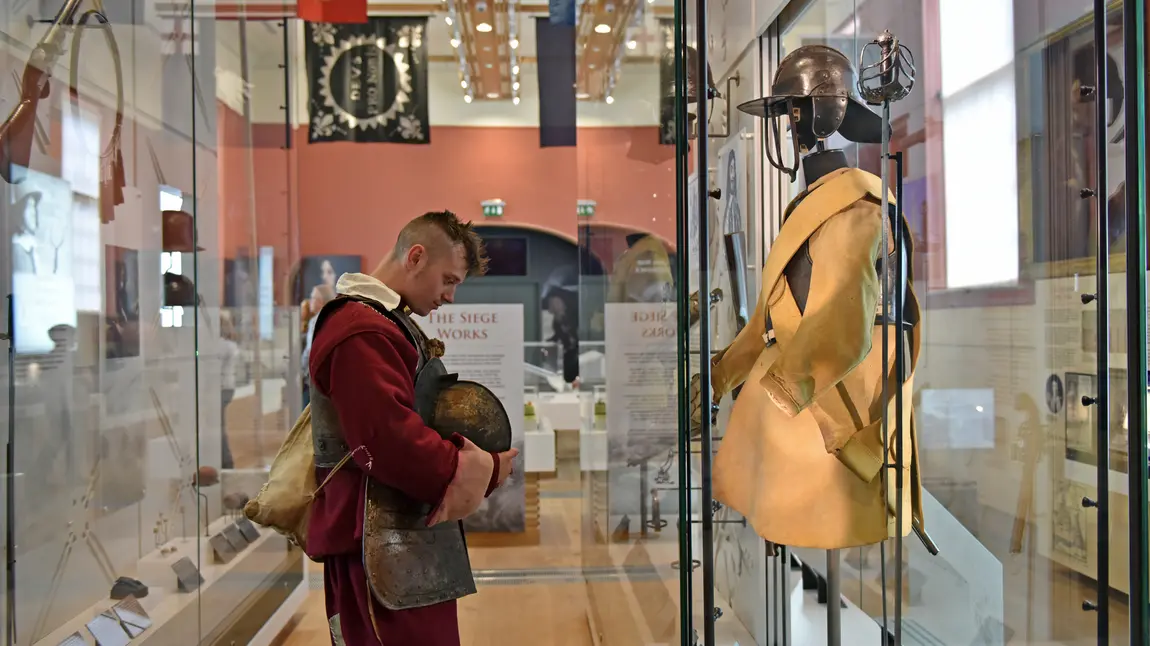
point(593, 450)
point(562, 409)
point(539, 448)
point(484, 344)
point(156, 568)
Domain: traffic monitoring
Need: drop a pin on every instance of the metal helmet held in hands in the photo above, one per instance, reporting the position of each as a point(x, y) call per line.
point(815, 90)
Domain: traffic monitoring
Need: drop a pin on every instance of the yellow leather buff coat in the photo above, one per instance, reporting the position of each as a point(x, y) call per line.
point(801, 456)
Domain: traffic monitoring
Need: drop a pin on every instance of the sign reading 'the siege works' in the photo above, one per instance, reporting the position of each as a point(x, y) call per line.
point(368, 82)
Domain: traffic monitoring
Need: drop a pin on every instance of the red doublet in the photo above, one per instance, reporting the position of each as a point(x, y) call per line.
point(365, 365)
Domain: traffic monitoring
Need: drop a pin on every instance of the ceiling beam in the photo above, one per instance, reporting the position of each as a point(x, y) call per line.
point(485, 37)
point(604, 28)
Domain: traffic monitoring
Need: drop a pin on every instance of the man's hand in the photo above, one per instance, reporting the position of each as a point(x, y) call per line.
point(465, 492)
point(505, 459)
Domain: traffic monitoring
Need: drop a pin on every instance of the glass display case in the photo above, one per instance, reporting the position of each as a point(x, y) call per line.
point(687, 476)
point(146, 388)
point(1008, 164)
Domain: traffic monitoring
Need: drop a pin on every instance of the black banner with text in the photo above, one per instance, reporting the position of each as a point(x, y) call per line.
point(368, 83)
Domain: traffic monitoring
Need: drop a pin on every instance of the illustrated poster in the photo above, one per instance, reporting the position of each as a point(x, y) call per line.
point(733, 180)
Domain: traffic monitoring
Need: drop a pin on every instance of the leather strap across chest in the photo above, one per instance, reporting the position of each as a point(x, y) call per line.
point(327, 438)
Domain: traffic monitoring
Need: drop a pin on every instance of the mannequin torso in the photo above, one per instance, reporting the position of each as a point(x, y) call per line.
point(789, 457)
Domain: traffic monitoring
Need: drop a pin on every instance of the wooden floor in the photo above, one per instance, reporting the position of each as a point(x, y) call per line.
point(528, 608)
point(500, 615)
point(540, 600)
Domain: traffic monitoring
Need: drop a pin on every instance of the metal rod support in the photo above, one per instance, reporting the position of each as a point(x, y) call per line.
point(643, 497)
point(900, 371)
point(701, 166)
point(250, 176)
point(1133, 52)
point(196, 310)
point(682, 235)
point(885, 398)
point(10, 483)
point(834, 599)
point(1102, 296)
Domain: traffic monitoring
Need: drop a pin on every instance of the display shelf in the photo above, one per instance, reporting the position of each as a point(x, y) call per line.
point(225, 588)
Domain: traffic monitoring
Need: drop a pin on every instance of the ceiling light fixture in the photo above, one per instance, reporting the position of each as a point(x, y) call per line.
point(515, 69)
point(455, 42)
point(447, 19)
point(463, 84)
point(515, 86)
point(483, 27)
point(602, 28)
point(632, 44)
point(467, 98)
point(493, 95)
point(610, 99)
point(514, 43)
point(515, 100)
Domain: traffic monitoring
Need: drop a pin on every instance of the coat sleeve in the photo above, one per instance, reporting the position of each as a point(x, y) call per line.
point(730, 367)
point(373, 394)
point(835, 332)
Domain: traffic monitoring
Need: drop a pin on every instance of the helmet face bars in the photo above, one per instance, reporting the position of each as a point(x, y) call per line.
point(815, 91)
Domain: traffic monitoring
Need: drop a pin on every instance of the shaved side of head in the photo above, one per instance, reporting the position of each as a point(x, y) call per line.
point(441, 231)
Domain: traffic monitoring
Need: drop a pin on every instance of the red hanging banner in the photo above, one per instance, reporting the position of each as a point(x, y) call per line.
point(338, 11)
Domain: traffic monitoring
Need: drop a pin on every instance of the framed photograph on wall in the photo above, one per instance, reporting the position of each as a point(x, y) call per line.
point(1080, 426)
point(1119, 422)
point(1058, 234)
point(1069, 522)
point(122, 297)
point(324, 270)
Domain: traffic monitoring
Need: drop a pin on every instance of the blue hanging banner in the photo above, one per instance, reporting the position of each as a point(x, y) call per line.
point(555, 50)
point(562, 12)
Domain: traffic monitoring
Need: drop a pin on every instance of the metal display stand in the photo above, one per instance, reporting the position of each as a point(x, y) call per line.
point(1134, 49)
point(882, 83)
point(1101, 604)
point(10, 482)
point(702, 74)
point(683, 338)
point(890, 78)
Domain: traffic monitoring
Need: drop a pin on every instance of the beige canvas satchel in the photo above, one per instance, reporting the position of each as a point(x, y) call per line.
point(284, 502)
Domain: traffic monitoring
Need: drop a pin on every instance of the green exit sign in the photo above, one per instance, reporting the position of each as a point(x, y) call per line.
point(585, 208)
point(493, 208)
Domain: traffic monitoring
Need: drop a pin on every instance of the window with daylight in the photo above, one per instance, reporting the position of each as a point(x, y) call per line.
point(980, 171)
point(171, 263)
point(171, 199)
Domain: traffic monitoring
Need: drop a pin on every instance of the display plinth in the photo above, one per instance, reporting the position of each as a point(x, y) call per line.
point(155, 569)
point(593, 450)
point(225, 589)
point(539, 447)
point(563, 409)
